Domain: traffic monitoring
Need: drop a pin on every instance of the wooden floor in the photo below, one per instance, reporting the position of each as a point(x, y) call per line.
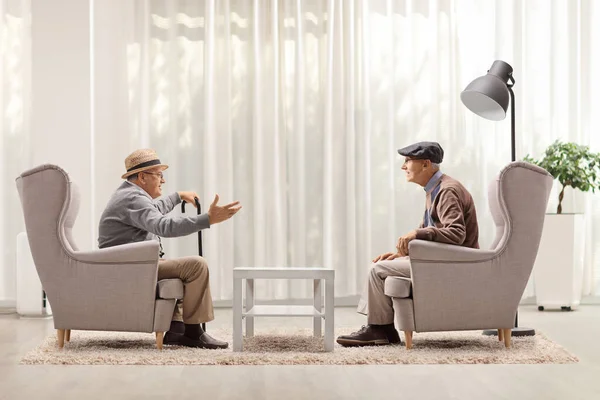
point(578, 331)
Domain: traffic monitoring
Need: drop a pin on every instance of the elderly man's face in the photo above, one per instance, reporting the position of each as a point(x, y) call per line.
point(151, 181)
point(417, 171)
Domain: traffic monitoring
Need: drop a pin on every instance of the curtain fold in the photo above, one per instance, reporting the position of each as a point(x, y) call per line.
point(296, 108)
point(15, 112)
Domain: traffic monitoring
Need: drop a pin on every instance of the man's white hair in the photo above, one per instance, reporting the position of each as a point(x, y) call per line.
point(435, 166)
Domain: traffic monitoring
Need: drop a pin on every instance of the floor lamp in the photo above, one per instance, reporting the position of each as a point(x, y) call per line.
point(488, 96)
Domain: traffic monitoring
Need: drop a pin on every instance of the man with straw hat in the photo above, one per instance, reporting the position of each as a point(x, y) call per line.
point(135, 213)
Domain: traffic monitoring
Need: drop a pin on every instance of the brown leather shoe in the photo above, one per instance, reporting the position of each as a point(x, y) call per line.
point(205, 342)
point(368, 335)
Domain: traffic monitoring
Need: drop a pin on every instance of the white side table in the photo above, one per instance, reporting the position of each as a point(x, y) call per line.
point(251, 310)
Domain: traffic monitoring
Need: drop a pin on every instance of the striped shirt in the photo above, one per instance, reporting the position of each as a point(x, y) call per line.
point(450, 215)
point(431, 189)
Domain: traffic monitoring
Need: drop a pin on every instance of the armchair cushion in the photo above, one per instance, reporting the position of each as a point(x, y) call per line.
point(398, 287)
point(139, 252)
point(170, 289)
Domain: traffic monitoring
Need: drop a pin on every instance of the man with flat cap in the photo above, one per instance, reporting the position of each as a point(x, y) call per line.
point(137, 211)
point(449, 217)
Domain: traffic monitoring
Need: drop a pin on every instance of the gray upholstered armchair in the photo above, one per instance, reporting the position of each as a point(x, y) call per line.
point(113, 289)
point(459, 288)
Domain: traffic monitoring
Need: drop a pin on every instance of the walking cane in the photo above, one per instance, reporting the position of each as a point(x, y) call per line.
point(199, 211)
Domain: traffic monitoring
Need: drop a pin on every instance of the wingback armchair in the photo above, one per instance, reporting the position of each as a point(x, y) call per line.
point(459, 288)
point(112, 289)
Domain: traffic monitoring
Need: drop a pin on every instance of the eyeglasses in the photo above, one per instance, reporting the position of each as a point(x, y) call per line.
point(159, 174)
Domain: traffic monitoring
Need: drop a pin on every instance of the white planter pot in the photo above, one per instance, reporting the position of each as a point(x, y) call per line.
point(558, 268)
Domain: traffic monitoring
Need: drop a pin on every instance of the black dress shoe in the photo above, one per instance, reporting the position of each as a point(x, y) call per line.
point(172, 338)
point(369, 335)
point(393, 336)
point(205, 342)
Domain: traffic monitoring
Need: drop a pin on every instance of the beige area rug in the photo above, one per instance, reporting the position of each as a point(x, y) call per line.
point(281, 347)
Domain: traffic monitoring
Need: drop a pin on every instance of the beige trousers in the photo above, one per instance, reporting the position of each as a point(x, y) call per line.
point(197, 301)
point(374, 303)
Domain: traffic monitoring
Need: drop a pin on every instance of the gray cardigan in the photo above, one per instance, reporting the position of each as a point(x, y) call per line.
point(131, 215)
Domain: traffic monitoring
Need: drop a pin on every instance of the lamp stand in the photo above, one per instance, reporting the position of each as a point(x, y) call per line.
point(517, 330)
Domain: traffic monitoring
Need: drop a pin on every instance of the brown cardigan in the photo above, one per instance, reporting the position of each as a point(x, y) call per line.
point(453, 214)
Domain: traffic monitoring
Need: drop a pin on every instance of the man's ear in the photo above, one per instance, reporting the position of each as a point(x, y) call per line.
point(427, 164)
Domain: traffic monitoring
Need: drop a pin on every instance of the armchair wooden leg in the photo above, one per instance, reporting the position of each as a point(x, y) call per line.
point(408, 339)
point(67, 335)
point(500, 335)
point(60, 333)
point(507, 335)
point(159, 340)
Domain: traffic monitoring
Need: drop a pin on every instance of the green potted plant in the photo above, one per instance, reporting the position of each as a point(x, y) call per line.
point(573, 165)
point(558, 269)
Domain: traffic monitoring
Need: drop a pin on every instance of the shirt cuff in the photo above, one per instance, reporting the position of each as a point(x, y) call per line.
point(203, 222)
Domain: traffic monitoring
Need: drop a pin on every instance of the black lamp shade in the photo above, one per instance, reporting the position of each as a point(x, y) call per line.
point(488, 96)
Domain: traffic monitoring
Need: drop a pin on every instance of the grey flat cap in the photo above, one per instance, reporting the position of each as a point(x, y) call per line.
point(424, 151)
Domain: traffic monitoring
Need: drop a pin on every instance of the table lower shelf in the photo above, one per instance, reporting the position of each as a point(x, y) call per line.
point(282, 311)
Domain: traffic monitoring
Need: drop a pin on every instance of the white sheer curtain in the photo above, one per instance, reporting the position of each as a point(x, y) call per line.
point(296, 108)
point(15, 97)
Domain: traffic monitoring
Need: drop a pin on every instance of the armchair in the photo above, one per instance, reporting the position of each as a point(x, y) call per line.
point(458, 288)
point(112, 289)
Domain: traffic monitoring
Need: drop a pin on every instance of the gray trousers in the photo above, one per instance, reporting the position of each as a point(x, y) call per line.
point(374, 303)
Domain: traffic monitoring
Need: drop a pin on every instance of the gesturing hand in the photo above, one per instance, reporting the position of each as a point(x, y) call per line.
point(218, 213)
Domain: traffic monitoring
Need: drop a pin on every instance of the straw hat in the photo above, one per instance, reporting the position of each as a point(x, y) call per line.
point(142, 160)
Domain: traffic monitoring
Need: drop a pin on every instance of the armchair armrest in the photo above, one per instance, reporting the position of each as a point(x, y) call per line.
point(459, 288)
point(115, 288)
point(141, 252)
point(424, 250)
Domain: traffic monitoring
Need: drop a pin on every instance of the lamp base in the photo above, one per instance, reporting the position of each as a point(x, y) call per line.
point(517, 331)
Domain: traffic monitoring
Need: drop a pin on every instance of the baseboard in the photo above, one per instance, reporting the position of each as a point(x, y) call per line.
point(587, 300)
point(347, 301)
point(8, 306)
point(352, 301)
point(527, 301)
